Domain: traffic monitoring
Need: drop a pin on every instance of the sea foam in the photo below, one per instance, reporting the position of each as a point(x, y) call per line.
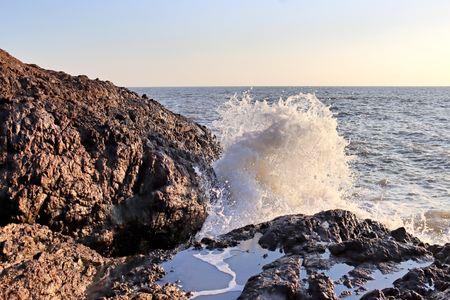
point(280, 158)
point(287, 157)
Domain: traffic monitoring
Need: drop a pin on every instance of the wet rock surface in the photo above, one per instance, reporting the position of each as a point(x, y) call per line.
point(279, 280)
point(333, 255)
point(115, 171)
point(36, 262)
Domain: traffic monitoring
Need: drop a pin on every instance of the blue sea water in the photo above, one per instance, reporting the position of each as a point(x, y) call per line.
point(398, 138)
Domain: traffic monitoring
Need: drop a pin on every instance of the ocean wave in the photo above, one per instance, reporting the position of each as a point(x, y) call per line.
point(279, 158)
point(287, 157)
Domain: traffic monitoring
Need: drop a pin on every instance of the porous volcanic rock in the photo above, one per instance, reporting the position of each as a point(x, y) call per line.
point(114, 170)
point(431, 282)
point(278, 280)
point(334, 254)
point(36, 263)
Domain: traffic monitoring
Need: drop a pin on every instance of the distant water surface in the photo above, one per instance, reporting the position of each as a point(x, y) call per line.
point(399, 138)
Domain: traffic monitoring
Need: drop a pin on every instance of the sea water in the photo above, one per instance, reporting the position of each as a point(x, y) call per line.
point(220, 273)
point(383, 153)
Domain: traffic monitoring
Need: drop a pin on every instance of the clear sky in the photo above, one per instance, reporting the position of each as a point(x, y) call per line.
point(234, 42)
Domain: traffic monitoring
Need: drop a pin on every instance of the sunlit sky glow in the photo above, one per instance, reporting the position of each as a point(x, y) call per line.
point(235, 42)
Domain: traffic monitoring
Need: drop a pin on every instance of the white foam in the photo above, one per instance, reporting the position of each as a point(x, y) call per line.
point(287, 157)
point(218, 261)
point(280, 158)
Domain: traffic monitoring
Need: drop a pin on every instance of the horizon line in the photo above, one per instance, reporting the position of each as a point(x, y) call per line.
point(288, 86)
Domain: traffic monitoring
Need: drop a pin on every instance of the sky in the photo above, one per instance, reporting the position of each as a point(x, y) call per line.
point(235, 42)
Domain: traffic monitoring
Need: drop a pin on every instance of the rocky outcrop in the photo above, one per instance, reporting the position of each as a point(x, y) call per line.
point(36, 263)
point(333, 254)
point(90, 171)
point(115, 171)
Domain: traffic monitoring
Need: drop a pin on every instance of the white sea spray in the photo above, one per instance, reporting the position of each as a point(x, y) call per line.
point(287, 157)
point(280, 158)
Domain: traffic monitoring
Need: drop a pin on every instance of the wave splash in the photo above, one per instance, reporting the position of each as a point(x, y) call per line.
point(279, 158)
point(287, 157)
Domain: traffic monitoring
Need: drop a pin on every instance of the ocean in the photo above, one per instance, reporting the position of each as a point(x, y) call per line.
point(381, 152)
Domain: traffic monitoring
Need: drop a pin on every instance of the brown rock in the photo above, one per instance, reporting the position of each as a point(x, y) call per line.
point(321, 287)
point(39, 264)
point(97, 162)
point(36, 263)
point(279, 280)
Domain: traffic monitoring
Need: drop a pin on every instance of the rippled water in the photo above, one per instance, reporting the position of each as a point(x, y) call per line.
point(399, 138)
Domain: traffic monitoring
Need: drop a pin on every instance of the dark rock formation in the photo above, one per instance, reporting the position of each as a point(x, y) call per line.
point(36, 263)
point(279, 280)
point(431, 282)
point(317, 247)
point(115, 171)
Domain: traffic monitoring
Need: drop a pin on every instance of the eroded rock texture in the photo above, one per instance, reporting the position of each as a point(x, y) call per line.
point(97, 162)
point(333, 254)
point(36, 263)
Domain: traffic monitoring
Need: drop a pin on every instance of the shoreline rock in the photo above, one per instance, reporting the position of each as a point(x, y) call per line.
point(117, 172)
point(36, 263)
point(98, 186)
point(317, 246)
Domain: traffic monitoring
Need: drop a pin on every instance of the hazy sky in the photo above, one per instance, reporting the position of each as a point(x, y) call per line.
point(234, 42)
